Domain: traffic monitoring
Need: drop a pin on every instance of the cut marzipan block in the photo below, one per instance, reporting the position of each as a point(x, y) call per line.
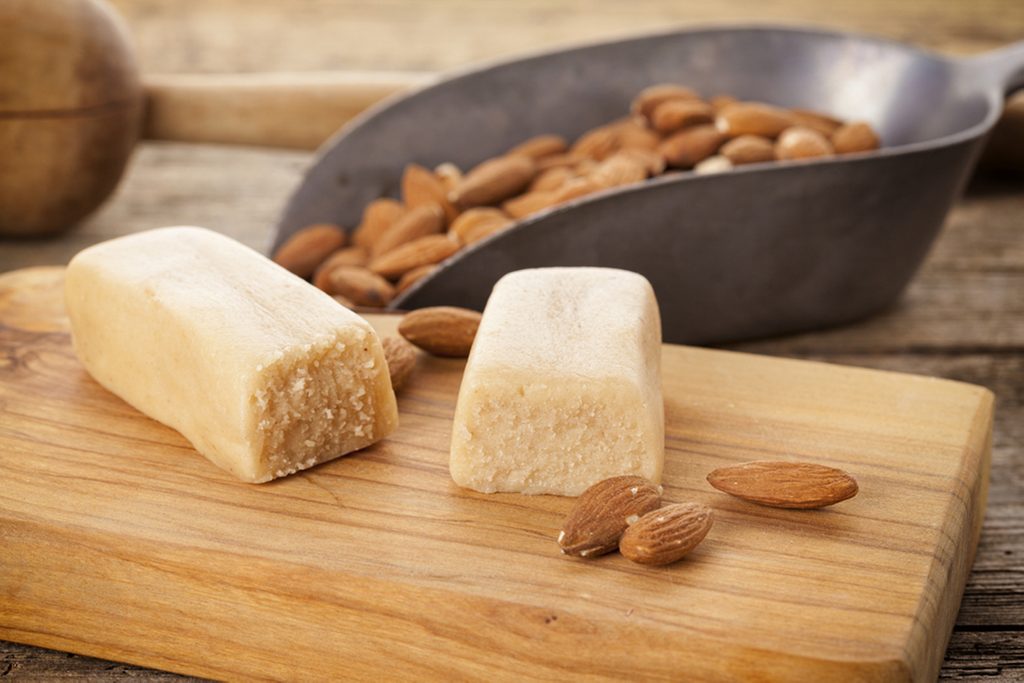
point(263, 373)
point(563, 386)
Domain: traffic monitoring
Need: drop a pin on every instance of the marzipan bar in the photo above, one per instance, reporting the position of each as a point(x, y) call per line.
point(263, 373)
point(563, 386)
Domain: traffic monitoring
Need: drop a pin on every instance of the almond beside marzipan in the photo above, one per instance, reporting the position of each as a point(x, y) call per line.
point(413, 276)
point(753, 118)
point(441, 330)
point(667, 534)
point(475, 224)
point(349, 256)
point(422, 251)
point(421, 186)
point(306, 249)
point(378, 216)
point(603, 512)
point(493, 181)
point(401, 359)
point(360, 286)
point(797, 485)
point(424, 220)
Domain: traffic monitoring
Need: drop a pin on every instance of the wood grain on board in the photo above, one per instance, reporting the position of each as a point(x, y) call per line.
point(121, 542)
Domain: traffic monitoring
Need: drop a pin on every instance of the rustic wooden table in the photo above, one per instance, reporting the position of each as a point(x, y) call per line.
point(962, 318)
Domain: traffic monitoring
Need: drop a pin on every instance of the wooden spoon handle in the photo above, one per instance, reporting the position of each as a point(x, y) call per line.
point(293, 110)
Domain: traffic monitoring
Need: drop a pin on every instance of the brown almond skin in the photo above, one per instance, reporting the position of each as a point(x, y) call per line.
point(420, 186)
point(753, 118)
point(306, 249)
point(854, 137)
point(713, 164)
point(801, 142)
point(748, 149)
point(618, 170)
point(650, 97)
point(401, 358)
point(597, 143)
point(474, 224)
point(540, 146)
point(690, 146)
point(413, 224)
point(650, 158)
point(552, 179)
point(360, 286)
point(569, 159)
point(529, 203)
point(378, 216)
point(634, 135)
point(602, 513)
point(422, 251)
point(413, 276)
point(449, 174)
point(444, 331)
point(668, 534)
point(719, 102)
point(795, 485)
point(823, 123)
point(574, 189)
point(494, 181)
point(349, 256)
point(674, 115)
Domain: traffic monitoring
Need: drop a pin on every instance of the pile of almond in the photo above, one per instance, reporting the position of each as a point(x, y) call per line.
point(626, 513)
point(670, 128)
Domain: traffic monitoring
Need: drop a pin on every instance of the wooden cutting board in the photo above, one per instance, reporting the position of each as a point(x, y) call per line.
point(117, 540)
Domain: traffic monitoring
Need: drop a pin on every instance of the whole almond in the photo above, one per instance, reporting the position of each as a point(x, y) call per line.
point(361, 286)
point(753, 118)
point(424, 220)
point(421, 186)
point(423, 251)
point(748, 149)
point(618, 170)
point(449, 175)
point(441, 330)
point(413, 276)
point(306, 249)
point(401, 358)
point(856, 136)
point(603, 512)
point(574, 189)
point(530, 203)
point(690, 146)
point(666, 535)
point(552, 179)
point(651, 160)
point(711, 165)
point(349, 256)
point(798, 485)
point(597, 143)
point(801, 142)
point(635, 135)
point(823, 123)
point(650, 97)
point(475, 224)
point(674, 115)
point(494, 181)
point(569, 159)
point(540, 146)
point(721, 101)
point(378, 216)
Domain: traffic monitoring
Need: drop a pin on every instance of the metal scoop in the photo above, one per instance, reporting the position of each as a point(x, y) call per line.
point(762, 250)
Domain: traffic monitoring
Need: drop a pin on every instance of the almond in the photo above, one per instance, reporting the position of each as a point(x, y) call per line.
point(441, 330)
point(574, 189)
point(667, 534)
point(349, 256)
point(361, 286)
point(597, 143)
point(421, 186)
point(449, 174)
point(413, 276)
point(650, 97)
point(603, 512)
point(711, 165)
point(618, 170)
point(569, 159)
point(753, 118)
point(785, 484)
point(552, 179)
point(378, 216)
point(857, 136)
point(674, 115)
point(413, 224)
point(690, 146)
point(540, 146)
point(652, 161)
point(401, 358)
point(800, 142)
point(823, 123)
point(634, 135)
point(494, 181)
point(423, 251)
point(748, 149)
point(476, 224)
point(719, 102)
point(306, 249)
point(530, 203)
